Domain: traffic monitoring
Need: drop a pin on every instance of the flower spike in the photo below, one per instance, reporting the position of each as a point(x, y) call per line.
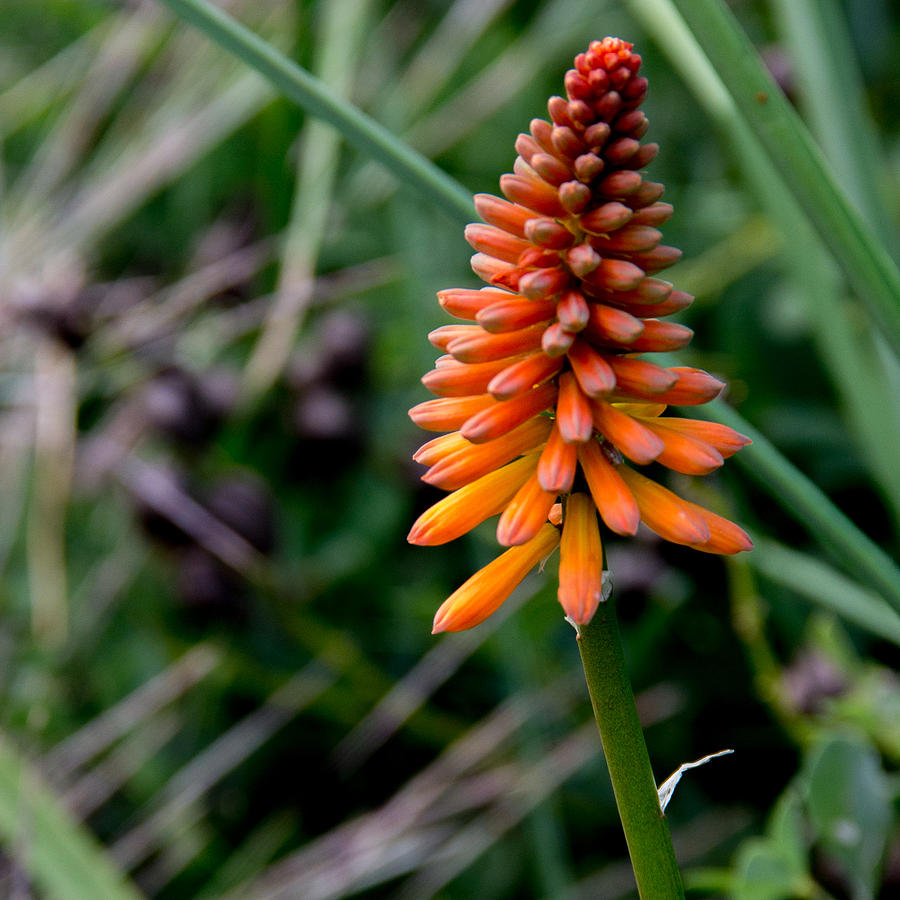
point(543, 386)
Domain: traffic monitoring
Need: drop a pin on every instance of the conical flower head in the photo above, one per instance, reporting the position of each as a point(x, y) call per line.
point(545, 388)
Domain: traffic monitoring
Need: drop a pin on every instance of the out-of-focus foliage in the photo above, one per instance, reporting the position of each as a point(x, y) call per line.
point(216, 660)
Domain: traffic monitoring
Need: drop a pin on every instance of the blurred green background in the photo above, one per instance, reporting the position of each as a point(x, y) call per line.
point(216, 672)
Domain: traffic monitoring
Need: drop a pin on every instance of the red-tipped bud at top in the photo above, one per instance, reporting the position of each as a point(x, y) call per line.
point(648, 192)
point(599, 81)
point(542, 284)
point(644, 156)
point(620, 184)
point(549, 233)
point(583, 259)
point(574, 197)
point(558, 109)
point(619, 77)
point(685, 454)
point(494, 271)
point(505, 415)
point(580, 113)
point(449, 413)
point(462, 462)
point(675, 302)
point(580, 560)
point(693, 388)
point(486, 590)
point(619, 151)
point(614, 501)
point(495, 242)
point(626, 434)
point(668, 515)
point(662, 337)
point(606, 217)
point(556, 467)
point(484, 346)
point(726, 440)
point(503, 214)
point(526, 146)
point(632, 122)
point(588, 166)
point(574, 418)
point(468, 507)
point(655, 214)
point(659, 258)
point(649, 292)
point(725, 537)
point(550, 169)
point(513, 312)
point(636, 90)
point(615, 275)
point(638, 375)
point(596, 135)
point(523, 375)
point(466, 304)
point(556, 341)
point(522, 169)
point(456, 379)
point(613, 326)
point(538, 258)
point(542, 132)
point(565, 142)
point(577, 87)
point(608, 105)
point(442, 336)
point(594, 374)
point(525, 514)
point(532, 193)
point(572, 311)
point(630, 239)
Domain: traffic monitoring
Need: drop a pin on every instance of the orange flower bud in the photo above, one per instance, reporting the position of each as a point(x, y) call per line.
point(580, 560)
point(486, 590)
point(462, 510)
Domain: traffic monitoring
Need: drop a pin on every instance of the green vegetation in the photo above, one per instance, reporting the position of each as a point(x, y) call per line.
point(217, 675)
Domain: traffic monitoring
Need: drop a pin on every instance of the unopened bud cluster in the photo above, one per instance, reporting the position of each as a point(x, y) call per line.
point(543, 392)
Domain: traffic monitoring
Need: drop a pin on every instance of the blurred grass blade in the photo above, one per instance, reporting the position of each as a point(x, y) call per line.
point(821, 584)
point(862, 256)
point(852, 549)
point(340, 36)
point(833, 101)
point(60, 857)
point(865, 372)
point(298, 85)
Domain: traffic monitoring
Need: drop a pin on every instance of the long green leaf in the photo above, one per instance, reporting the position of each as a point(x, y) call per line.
point(301, 87)
point(865, 373)
point(61, 858)
point(858, 250)
point(821, 584)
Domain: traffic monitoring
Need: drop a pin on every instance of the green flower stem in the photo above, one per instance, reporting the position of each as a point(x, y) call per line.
point(298, 85)
point(646, 829)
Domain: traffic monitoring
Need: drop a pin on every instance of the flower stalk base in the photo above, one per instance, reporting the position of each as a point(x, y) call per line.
point(646, 829)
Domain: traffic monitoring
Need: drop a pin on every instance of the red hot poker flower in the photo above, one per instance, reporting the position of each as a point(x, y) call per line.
point(543, 390)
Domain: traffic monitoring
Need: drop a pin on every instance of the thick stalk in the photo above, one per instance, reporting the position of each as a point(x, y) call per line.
point(646, 829)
